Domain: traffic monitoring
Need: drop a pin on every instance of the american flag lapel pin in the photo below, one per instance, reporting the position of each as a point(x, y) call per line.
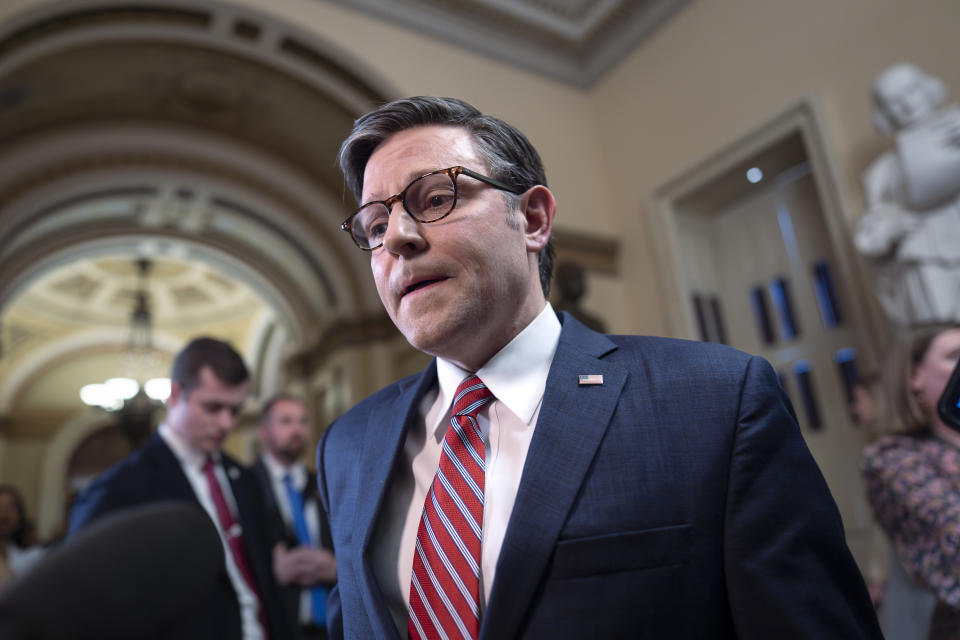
point(593, 378)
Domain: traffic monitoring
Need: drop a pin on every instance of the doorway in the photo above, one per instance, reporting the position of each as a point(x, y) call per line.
point(756, 254)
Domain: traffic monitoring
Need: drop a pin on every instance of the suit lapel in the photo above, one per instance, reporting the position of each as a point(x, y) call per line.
point(383, 442)
point(239, 489)
point(570, 427)
point(264, 480)
point(170, 479)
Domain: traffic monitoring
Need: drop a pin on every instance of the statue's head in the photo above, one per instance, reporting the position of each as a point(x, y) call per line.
point(902, 95)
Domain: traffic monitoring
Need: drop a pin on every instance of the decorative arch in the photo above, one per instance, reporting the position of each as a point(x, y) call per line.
point(222, 146)
point(220, 110)
point(50, 353)
point(230, 28)
point(97, 189)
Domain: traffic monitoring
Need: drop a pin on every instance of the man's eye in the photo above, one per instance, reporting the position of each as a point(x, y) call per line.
point(378, 230)
point(438, 199)
point(374, 226)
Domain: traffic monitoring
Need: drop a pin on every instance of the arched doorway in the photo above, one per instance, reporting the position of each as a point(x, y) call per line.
point(198, 135)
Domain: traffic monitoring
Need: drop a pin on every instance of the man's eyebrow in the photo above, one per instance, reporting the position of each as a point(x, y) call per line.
point(221, 403)
point(410, 176)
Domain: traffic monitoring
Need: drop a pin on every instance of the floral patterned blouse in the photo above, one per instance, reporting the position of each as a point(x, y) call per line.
point(913, 484)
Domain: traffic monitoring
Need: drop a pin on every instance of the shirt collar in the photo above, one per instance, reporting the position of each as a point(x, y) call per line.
point(182, 449)
point(297, 470)
point(516, 375)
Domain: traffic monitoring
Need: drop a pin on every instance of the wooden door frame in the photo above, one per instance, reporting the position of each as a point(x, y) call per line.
point(801, 118)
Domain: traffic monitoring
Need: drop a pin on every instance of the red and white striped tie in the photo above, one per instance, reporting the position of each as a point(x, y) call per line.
point(445, 584)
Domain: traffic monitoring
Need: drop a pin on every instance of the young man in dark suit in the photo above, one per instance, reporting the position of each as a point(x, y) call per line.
point(303, 562)
point(183, 462)
point(539, 479)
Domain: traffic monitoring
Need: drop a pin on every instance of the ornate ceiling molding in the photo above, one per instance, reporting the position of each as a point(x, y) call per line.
point(228, 27)
point(574, 41)
point(189, 187)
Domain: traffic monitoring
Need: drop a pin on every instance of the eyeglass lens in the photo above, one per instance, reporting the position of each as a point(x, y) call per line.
point(427, 199)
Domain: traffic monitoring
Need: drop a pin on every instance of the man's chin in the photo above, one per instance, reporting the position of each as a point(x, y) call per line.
point(428, 339)
point(208, 448)
point(294, 453)
point(446, 339)
point(431, 348)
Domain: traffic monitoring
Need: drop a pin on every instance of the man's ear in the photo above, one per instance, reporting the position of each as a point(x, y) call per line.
point(537, 208)
point(176, 392)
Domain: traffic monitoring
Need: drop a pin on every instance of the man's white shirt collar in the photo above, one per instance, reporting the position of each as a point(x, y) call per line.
point(183, 450)
point(297, 471)
point(516, 375)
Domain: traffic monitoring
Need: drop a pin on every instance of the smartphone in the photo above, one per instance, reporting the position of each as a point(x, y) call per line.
point(949, 405)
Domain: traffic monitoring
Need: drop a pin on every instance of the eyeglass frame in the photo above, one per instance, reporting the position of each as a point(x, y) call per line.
point(452, 172)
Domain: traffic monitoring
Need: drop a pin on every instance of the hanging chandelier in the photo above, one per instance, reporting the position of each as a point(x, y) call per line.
point(134, 399)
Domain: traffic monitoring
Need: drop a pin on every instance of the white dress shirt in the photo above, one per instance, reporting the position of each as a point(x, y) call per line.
point(298, 474)
point(20, 560)
point(192, 461)
point(517, 376)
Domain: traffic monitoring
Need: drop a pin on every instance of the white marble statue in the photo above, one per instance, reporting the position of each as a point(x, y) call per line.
point(911, 227)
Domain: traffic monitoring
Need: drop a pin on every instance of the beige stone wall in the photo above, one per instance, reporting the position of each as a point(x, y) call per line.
point(712, 74)
point(560, 121)
point(720, 69)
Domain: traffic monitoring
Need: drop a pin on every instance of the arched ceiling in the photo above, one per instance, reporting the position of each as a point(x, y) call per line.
point(177, 83)
point(198, 135)
point(72, 326)
point(103, 291)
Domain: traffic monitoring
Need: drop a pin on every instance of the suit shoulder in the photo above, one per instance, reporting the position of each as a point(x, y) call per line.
point(387, 393)
point(685, 364)
point(229, 461)
point(359, 414)
point(235, 469)
point(121, 485)
point(258, 470)
point(681, 355)
point(120, 474)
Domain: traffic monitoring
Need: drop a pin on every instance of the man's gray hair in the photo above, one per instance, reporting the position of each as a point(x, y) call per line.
point(508, 153)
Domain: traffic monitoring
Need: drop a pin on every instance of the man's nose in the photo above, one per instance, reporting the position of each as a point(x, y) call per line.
point(226, 419)
point(404, 234)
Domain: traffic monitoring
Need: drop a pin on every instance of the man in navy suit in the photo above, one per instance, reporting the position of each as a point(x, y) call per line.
point(184, 463)
point(606, 487)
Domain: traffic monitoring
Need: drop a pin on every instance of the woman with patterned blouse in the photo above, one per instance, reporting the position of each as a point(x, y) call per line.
point(912, 472)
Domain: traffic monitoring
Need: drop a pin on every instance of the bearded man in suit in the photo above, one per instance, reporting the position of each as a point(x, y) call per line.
point(539, 479)
point(303, 562)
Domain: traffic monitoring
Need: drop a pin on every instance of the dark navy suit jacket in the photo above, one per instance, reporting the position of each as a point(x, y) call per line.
point(154, 474)
point(675, 500)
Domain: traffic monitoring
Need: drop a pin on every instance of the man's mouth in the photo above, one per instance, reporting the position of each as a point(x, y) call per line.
point(420, 285)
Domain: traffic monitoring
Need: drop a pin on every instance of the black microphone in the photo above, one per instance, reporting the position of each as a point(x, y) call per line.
point(948, 406)
point(138, 573)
